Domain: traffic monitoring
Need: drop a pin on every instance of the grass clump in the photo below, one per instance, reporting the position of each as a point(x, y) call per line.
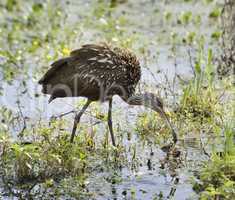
point(200, 102)
point(217, 177)
point(42, 162)
point(148, 128)
point(49, 159)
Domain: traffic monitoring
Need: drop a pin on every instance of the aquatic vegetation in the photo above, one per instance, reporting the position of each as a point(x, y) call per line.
point(216, 35)
point(215, 13)
point(47, 159)
point(185, 17)
point(150, 129)
point(39, 158)
point(217, 177)
point(186, 50)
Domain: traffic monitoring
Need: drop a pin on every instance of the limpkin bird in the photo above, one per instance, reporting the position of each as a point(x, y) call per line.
point(98, 72)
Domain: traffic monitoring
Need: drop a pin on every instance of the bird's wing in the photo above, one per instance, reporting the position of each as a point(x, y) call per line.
point(97, 62)
point(99, 65)
point(80, 59)
point(92, 66)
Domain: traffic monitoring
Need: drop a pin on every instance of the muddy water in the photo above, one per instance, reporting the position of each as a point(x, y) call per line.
point(146, 19)
point(146, 182)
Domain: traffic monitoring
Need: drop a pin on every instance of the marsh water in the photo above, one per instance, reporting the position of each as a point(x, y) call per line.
point(155, 31)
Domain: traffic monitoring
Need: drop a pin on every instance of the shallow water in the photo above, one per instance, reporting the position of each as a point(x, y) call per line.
point(146, 20)
point(148, 183)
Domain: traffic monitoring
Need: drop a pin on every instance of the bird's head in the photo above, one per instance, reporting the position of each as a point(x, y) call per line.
point(152, 101)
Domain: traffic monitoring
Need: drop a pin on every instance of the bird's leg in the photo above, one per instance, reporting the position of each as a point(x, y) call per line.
point(77, 119)
point(110, 123)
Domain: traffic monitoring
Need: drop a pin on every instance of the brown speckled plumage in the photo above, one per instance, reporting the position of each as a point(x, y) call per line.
point(93, 71)
point(98, 72)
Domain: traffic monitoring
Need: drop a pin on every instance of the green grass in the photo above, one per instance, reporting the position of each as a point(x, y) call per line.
point(32, 35)
point(47, 159)
point(217, 177)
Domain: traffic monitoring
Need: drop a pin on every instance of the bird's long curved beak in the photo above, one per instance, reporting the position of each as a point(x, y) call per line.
point(169, 124)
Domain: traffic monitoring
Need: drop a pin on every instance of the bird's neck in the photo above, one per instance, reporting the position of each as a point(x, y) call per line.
point(146, 99)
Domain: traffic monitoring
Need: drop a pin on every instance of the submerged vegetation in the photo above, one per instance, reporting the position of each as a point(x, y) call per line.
point(186, 50)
